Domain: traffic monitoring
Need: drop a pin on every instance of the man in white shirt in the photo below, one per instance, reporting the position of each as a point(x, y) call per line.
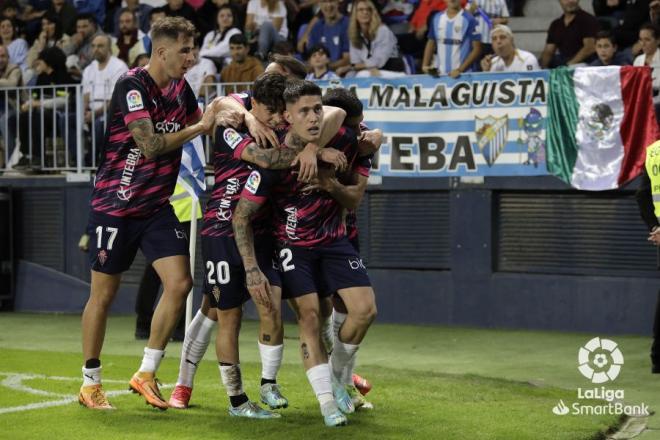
point(202, 72)
point(98, 82)
point(507, 58)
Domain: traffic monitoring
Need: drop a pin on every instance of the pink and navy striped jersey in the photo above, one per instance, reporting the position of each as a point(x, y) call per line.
point(231, 173)
point(128, 184)
point(304, 219)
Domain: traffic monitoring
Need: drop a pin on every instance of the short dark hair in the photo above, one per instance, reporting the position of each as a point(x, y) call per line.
point(268, 89)
point(238, 39)
point(345, 100)
point(651, 27)
point(606, 35)
point(297, 88)
point(290, 63)
point(171, 28)
point(126, 10)
point(158, 10)
point(88, 17)
point(317, 48)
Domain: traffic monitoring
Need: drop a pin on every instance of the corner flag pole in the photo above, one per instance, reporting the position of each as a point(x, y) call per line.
point(194, 202)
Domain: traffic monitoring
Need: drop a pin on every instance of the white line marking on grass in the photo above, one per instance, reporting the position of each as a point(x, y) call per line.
point(14, 381)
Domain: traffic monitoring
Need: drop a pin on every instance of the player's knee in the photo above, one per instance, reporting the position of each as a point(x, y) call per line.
point(365, 314)
point(180, 286)
point(309, 320)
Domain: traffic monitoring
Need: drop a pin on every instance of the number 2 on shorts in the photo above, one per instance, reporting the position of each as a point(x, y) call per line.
point(286, 256)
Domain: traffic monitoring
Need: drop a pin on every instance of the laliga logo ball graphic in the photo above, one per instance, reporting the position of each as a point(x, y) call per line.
point(600, 360)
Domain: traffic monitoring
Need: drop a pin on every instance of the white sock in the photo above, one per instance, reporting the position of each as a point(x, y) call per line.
point(319, 379)
point(327, 334)
point(91, 376)
point(341, 356)
point(338, 319)
point(231, 379)
point(193, 348)
point(151, 360)
point(271, 360)
point(347, 373)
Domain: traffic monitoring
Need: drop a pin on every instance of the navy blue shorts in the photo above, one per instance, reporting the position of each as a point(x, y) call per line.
point(323, 269)
point(115, 240)
point(224, 274)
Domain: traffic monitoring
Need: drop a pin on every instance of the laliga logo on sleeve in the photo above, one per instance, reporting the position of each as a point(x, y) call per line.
point(600, 360)
point(134, 100)
point(253, 182)
point(232, 138)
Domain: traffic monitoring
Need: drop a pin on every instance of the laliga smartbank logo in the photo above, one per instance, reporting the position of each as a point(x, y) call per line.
point(600, 361)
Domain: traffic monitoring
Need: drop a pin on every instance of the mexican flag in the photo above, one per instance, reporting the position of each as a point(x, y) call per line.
point(600, 120)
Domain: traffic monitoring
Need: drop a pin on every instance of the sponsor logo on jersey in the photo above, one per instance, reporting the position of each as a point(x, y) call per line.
point(124, 192)
point(134, 100)
point(232, 138)
point(253, 182)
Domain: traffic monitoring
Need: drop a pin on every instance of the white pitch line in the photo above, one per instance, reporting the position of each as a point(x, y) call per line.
point(13, 381)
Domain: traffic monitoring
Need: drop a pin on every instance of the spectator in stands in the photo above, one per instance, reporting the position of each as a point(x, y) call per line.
point(79, 49)
point(397, 13)
point(488, 13)
point(609, 12)
point(607, 51)
point(10, 74)
point(179, 8)
point(454, 38)
point(202, 72)
point(10, 77)
point(16, 47)
point(130, 41)
point(98, 82)
point(94, 8)
point(243, 68)
point(65, 14)
point(330, 30)
point(51, 70)
point(507, 57)
point(266, 24)
point(31, 16)
point(649, 37)
point(635, 14)
point(155, 15)
point(300, 13)
point(216, 42)
point(141, 61)
point(373, 47)
point(318, 58)
point(141, 12)
point(571, 37)
point(414, 41)
point(654, 12)
point(50, 35)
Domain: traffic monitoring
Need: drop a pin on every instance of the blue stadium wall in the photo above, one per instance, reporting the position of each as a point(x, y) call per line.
point(523, 253)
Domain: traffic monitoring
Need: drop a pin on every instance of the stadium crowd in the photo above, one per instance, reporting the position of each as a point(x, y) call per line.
point(48, 43)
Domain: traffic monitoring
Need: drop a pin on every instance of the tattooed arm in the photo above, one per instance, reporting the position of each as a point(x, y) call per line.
point(255, 280)
point(271, 158)
point(154, 144)
point(349, 196)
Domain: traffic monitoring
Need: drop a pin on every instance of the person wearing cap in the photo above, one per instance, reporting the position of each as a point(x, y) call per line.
point(506, 57)
point(318, 58)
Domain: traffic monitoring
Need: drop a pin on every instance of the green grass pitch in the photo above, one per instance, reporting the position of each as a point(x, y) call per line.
point(428, 382)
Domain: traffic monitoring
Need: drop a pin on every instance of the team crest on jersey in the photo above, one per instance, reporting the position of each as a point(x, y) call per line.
point(253, 182)
point(232, 137)
point(216, 293)
point(102, 256)
point(134, 100)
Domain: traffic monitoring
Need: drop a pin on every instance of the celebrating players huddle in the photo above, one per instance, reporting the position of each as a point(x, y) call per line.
point(280, 224)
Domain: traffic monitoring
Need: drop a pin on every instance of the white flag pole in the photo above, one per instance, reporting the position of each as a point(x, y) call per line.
point(194, 202)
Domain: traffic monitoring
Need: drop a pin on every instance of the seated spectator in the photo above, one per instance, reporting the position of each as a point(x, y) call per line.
point(507, 57)
point(141, 12)
point(50, 35)
point(243, 68)
point(65, 14)
point(488, 13)
point(12, 10)
point(10, 77)
point(216, 42)
point(93, 8)
point(155, 15)
point(202, 72)
point(330, 30)
point(454, 38)
point(318, 58)
point(51, 70)
point(266, 24)
point(16, 47)
point(31, 16)
point(98, 82)
point(649, 37)
point(608, 12)
point(607, 51)
point(397, 13)
point(571, 37)
point(79, 49)
point(10, 74)
point(179, 8)
point(130, 41)
point(413, 42)
point(635, 14)
point(654, 12)
point(373, 47)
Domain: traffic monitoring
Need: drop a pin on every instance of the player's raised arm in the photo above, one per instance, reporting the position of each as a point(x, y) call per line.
point(262, 134)
point(153, 144)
